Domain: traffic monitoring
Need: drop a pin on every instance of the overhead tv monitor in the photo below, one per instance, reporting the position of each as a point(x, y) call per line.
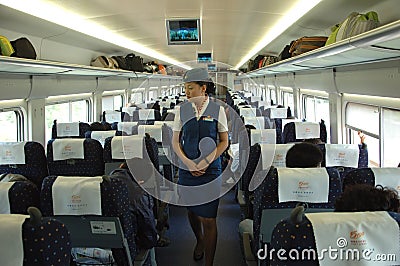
point(183, 31)
point(204, 57)
point(212, 67)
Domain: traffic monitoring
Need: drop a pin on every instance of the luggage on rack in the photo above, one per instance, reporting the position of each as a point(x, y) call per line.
point(102, 61)
point(6, 48)
point(120, 61)
point(269, 60)
point(354, 24)
point(285, 54)
point(306, 44)
point(134, 62)
point(23, 48)
point(257, 61)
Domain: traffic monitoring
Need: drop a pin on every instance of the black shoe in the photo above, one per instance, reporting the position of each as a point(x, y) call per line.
point(197, 255)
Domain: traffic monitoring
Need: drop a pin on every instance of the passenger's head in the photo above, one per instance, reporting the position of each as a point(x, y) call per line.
point(198, 83)
point(314, 141)
point(304, 155)
point(364, 197)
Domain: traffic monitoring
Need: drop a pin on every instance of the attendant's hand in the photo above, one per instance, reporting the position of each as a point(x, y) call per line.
point(193, 168)
point(203, 165)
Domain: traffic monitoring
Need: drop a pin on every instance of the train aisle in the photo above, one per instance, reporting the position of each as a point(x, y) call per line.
point(179, 252)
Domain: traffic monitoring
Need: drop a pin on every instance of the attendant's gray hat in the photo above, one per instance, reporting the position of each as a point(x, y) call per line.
point(196, 74)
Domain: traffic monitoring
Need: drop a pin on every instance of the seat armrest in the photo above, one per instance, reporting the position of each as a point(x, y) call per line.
point(248, 253)
point(141, 257)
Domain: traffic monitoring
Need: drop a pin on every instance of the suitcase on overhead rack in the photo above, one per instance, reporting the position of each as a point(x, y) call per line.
point(306, 44)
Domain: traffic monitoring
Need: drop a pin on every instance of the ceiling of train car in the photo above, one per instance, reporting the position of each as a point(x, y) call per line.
point(229, 28)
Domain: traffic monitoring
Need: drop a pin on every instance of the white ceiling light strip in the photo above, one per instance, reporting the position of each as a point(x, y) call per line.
point(55, 14)
point(297, 11)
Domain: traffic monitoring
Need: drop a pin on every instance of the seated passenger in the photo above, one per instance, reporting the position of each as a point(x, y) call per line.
point(364, 197)
point(140, 204)
point(300, 155)
point(304, 155)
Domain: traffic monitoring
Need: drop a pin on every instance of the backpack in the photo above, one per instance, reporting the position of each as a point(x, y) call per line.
point(354, 24)
point(120, 61)
point(6, 48)
point(134, 62)
point(101, 61)
point(23, 48)
point(285, 54)
point(257, 61)
point(141, 205)
point(269, 60)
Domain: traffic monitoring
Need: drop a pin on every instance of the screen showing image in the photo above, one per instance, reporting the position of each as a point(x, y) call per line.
point(185, 31)
point(204, 58)
point(212, 67)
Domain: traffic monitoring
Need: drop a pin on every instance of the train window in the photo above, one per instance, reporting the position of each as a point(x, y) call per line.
point(369, 125)
point(390, 137)
point(372, 142)
point(71, 111)
point(77, 109)
point(153, 94)
point(288, 100)
point(113, 102)
point(272, 95)
point(369, 114)
point(260, 89)
point(264, 94)
point(316, 109)
point(381, 126)
point(12, 120)
point(137, 97)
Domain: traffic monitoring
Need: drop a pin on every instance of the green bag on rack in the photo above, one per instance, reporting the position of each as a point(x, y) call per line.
point(354, 24)
point(6, 48)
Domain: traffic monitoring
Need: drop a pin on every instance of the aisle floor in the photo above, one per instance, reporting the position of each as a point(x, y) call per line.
point(179, 252)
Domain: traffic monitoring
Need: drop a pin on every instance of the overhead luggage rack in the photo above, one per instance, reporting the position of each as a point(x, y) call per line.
point(380, 44)
point(13, 65)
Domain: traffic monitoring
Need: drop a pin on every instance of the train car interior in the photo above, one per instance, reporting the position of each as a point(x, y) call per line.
point(94, 98)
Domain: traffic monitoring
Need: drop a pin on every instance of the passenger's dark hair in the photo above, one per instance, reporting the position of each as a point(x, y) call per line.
point(210, 86)
point(304, 155)
point(100, 126)
point(365, 197)
point(314, 141)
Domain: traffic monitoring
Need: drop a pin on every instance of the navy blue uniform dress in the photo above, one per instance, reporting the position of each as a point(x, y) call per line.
point(192, 132)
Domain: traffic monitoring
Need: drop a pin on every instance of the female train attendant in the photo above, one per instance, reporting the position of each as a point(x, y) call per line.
point(200, 137)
